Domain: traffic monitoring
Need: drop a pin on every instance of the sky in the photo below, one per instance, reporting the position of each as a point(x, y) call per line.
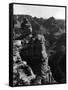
point(39, 11)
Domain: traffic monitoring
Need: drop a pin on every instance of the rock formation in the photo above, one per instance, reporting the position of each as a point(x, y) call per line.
point(35, 46)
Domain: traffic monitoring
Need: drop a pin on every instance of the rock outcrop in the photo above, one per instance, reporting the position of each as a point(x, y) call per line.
point(36, 43)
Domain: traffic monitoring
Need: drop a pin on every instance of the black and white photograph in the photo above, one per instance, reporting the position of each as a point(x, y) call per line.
point(38, 45)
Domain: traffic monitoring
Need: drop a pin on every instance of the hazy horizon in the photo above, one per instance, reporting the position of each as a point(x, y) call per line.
point(39, 11)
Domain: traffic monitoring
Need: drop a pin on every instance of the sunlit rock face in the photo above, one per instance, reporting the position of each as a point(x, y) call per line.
point(38, 51)
point(22, 73)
